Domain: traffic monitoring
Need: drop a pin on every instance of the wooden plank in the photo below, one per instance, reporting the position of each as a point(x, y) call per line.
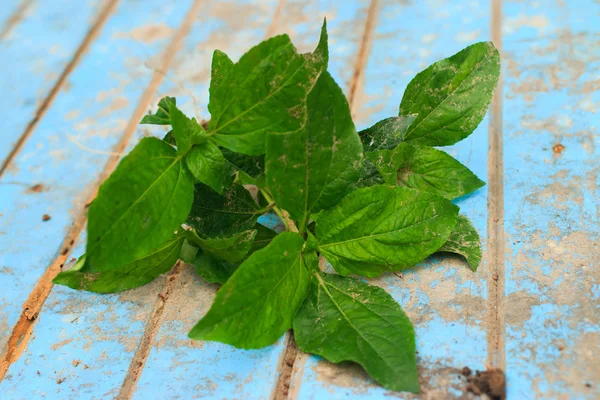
point(56, 173)
point(443, 298)
point(41, 43)
point(552, 199)
point(12, 13)
point(206, 369)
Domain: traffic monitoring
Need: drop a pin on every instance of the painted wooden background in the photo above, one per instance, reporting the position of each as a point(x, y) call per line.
point(77, 75)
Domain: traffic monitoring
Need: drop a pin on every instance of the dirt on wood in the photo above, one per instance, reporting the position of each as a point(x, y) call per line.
point(491, 382)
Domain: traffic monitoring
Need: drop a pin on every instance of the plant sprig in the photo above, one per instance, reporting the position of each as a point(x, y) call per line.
point(370, 202)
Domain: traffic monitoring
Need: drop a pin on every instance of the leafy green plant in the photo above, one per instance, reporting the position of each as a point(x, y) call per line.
point(369, 203)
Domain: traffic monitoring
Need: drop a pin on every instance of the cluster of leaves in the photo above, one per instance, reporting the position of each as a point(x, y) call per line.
point(367, 202)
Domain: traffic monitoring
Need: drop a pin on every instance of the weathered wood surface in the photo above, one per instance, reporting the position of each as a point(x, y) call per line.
point(532, 309)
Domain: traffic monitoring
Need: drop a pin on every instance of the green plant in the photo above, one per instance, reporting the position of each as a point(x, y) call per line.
point(370, 203)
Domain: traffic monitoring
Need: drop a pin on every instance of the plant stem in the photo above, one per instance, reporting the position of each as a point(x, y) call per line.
point(289, 224)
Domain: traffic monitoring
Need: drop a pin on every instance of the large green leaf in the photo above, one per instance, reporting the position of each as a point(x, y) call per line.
point(425, 168)
point(386, 134)
point(311, 168)
point(129, 276)
point(464, 240)
point(215, 215)
point(163, 113)
point(451, 97)
point(257, 304)
point(384, 228)
point(263, 92)
point(139, 206)
point(344, 319)
point(209, 166)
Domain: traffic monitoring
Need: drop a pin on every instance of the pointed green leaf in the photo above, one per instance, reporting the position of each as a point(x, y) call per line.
point(264, 92)
point(215, 215)
point(257, 304)
point(344, 319)
point(212, 269)
point(386, 134)
point(186, 131)
point(464, 240)
point(313, 167)
point(382, 228)
point(139, 206)
point(425, 168)
point(129, 276)
point(163, 113)
point(209, 166)
point(221, 65)
point(452, 96)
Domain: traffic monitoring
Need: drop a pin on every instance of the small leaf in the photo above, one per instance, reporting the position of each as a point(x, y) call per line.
point(139, 206)
point(187, 131)
point(209, 166)
point(221, 65)
point(163, 113)
point(263, 92)
point(215, 215)
point(233, 248)
point(170, 138)
point(252, 166)
point(311, 257)
point(257, 304)
point(311, 168)
point(212, 269)
point(344, 319)
point(188, 252)
point(425, 168)
point(264, 236)
point(451, 96)
point(129, 276)
point(386, 134)
point(464, 240)
point(381, 228)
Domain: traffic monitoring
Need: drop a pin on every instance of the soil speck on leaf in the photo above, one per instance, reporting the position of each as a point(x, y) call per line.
point(491, 383)
point(558, 148)
point(46, 217)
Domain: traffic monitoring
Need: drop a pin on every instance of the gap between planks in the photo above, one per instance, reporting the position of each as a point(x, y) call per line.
point(294, 360)
point(22, 330)
point(496, 357)
point(39, 113)
point(15, 18)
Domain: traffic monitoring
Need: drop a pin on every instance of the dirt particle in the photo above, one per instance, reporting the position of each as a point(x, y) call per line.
point(37, 188)
point(46, 217)
point(59, 381)
point(491, 383)
point(558, 148)
point(76, 362)
point(466, 371)
point(495, 276)
point(588, 385)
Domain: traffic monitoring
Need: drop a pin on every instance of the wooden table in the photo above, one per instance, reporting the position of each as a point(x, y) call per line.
point(77, 75)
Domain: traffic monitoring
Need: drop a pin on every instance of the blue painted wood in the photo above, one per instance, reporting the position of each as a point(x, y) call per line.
point(443, 298)
point(8, 9)
point(552, 199)
point(38, 47)
point(66, 154)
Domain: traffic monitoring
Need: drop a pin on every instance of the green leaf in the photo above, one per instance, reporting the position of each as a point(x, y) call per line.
point(209, 166)
point(264, 236)
point(386, 134)
point(129, 276)
point(187, 131)
point(221, 65)
point(313, 167)
point(464, 240)
point(163, 113)
point(311, 257)
point(170, 138)
point(212, 269)
point(232, 248)
point(188, 252)
point(257, 304)
point(425, 168)
point(452, 96)
point(215, 215)
point(382, 228)
point(264, 92)
point(139, 206)
point(248, 166)
point(344, 319)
